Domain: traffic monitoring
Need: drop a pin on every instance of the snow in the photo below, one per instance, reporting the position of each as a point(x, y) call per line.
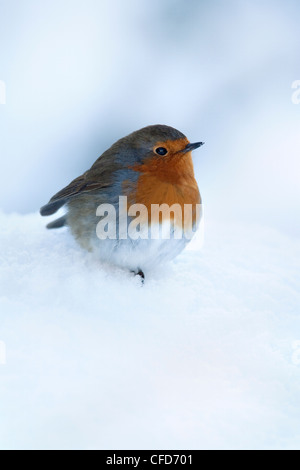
point(204, 355)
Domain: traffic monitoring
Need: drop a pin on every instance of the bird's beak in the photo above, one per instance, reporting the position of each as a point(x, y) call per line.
point(191, 147)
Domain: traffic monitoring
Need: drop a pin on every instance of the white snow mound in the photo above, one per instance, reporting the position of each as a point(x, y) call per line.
point(205, 355)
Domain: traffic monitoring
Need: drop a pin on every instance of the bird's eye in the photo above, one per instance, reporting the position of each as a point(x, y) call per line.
point(161, 151)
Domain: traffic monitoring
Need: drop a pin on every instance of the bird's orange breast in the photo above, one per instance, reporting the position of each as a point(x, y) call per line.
point(169, 181)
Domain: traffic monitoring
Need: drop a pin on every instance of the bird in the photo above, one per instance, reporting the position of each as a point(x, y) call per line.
point(149, 168)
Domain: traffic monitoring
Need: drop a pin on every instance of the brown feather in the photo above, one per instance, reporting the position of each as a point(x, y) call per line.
point(98, 177)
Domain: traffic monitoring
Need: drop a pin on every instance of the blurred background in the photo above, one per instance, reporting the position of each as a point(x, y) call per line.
point(81, 74)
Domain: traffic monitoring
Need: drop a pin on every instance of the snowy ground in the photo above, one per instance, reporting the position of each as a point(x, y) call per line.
point(205, 355)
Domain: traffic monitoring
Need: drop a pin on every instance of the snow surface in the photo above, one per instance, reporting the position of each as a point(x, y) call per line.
point(203, 356)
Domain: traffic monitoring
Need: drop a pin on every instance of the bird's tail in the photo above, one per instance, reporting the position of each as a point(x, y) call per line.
point(52, 207)
point(58, 223)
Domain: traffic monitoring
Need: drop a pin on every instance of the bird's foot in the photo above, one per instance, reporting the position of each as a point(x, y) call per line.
point(141, 274)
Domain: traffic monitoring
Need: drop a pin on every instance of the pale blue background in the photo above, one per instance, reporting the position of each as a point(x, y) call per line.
point(81, 74)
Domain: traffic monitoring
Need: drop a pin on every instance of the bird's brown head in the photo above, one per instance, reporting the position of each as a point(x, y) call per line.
point(159, 144)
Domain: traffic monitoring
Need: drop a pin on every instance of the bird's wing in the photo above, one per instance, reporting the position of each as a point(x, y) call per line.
point(97, 178)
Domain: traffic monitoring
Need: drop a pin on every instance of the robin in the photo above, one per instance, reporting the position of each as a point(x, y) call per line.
point(150, 168)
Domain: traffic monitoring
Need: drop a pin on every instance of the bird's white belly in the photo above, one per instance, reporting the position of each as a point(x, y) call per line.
point(137, 254)
point(142, 250)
